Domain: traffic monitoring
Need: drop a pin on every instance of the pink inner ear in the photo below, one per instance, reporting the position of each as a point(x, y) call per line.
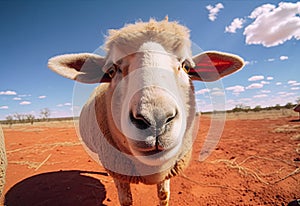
point(77, 64)
point(212, 63)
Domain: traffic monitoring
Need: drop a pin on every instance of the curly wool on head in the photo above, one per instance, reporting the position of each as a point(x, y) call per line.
point(171, 35)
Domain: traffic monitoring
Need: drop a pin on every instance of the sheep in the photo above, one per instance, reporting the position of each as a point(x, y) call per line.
point(140, 119)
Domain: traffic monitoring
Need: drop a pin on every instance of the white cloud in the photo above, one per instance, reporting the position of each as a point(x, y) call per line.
point(17, 98)
point(25, 103)
point(250, 62)
point(42, 97)
point(65, 104)
point(8, 92)
point(270, 78)
point(61, 113)
point(286, 94)
point(271, 60)
point(256, 78)
point(282, 58)
point(24, 95)
point(213, 11)
point(202, 91)
point(295, 88)
point(292, 82)
point(264, 82)
point(245, 99)
point(237, 23)
point(236, 89)
point(265, 91)
point(218, 93)
point(255, 86)
point(203, 105)
point(260, 96)
point(278, 83)
point(274, 25)
point(4, 107)
point(261, 10)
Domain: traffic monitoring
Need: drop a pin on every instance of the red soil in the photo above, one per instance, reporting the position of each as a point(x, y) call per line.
point(256, 162)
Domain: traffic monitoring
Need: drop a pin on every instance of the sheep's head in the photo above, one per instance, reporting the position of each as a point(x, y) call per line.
point(150, 98)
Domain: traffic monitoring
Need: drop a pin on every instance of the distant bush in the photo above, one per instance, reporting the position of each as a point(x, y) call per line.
point(30, 118)
point(10, 120)
point(45, 114)
point(257, 108)
point(243, 108)
point(289, 105)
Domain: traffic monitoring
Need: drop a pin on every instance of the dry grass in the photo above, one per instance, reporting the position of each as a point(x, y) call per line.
point(258, 175)
point(298, 149)
point(43, 162)
point(39, 149)
point(29, 164)
point(44, 147)
point(266, 114)
point(296, 137)
point(39, 126)
point(287, 129)
point(209, 185)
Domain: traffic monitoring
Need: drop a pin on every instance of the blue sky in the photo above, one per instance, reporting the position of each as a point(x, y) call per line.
point(265, 33)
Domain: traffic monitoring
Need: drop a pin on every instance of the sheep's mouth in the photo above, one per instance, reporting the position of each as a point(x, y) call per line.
point(155, 151)
point(149, 151)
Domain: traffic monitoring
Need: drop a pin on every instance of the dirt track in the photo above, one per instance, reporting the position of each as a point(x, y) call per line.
point(257, 162)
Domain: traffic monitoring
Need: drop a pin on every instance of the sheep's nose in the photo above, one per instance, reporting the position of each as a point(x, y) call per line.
point(139, 120)
point(157, 118)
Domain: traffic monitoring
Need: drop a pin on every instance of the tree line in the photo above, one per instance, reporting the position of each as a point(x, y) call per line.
point(244, 108)
point(27, 118)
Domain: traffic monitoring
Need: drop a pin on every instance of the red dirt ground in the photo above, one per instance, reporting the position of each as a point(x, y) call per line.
point(257, 162)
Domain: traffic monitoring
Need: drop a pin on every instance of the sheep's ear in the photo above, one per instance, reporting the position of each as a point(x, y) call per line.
point(83, 67)
point(211, 66)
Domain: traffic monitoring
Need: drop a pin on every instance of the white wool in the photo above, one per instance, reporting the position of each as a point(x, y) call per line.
point(173, 37)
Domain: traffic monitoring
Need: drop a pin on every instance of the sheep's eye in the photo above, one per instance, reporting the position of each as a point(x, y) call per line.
point(112, 71)
point(186, 66)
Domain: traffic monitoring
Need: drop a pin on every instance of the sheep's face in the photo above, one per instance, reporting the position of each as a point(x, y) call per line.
point(151, 97)
point(150, 102)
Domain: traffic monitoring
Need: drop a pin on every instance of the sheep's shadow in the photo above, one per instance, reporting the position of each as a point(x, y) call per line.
point(63, 188)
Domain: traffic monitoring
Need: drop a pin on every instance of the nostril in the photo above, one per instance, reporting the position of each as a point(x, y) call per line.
point(139, 121)
point(171, 117)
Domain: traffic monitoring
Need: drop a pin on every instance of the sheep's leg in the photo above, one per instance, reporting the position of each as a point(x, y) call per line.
point(124, 193)
point(163, 192)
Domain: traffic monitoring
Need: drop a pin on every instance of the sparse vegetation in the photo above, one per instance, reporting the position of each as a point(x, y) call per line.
point(287, 129)
point(10, 120)
point(45, 114)
point(18, 118)
point(244, 108)
point(240, 108)
point(289, 105)
point(296, 137)
point(257, 108)
point(30, 118)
